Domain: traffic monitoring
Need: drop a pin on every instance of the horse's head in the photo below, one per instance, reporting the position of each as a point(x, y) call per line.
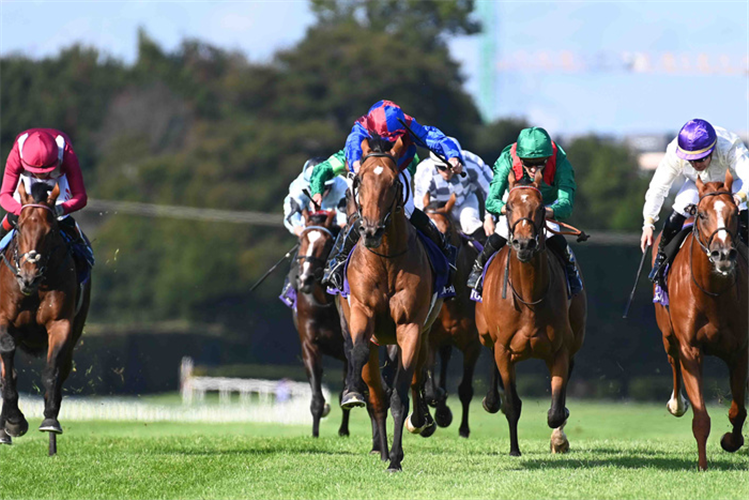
point(315, 243)
point(440, 214)
point(526, 216)
point(377, 190)
point(36, 224)
point(716, 223)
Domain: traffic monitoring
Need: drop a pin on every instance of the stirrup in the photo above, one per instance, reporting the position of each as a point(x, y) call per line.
point(475, 277)
point(333, 276)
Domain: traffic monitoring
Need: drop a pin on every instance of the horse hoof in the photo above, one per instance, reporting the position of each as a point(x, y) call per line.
point(325, 411)
point(343, 432)
point(730, 443)
point(50, 425)
point(5, 438)
point(490, 409)
point(677, 410)
point(394, 468)
point(559, 442)
point(410, 426)
point(464, 433)
point(351, 400)
point(515, 453)
point(428, 430)
point(16, 429)
point(443, 416)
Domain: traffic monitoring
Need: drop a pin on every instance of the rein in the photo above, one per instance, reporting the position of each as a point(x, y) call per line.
point(515, 292)
point(572, 231)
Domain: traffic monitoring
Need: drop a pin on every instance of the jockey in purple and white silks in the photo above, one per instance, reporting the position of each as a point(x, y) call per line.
point(385, 119)
point(700, 150)
point(439, 183)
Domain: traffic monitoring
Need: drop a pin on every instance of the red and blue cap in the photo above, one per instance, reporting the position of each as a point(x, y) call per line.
point(697, 139)
point(384, 119)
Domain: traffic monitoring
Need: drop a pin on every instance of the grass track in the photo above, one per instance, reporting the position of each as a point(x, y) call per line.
point(618, 450)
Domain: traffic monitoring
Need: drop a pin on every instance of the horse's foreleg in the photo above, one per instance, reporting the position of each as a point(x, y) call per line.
point(691, 371)
point(312, 359)
point(677, 405)
point(732, 441)
point(377, 405)
point(361, 328)
point(492, 401)
point(343, 429)
point(59, 363)
point(442, 414)
point(410, 343)
point(465, 389)
point(12, 420)
point(559, 369)
point(513, 405)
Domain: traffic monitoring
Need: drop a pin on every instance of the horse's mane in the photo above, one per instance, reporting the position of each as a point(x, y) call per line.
point(379, 144)
point(434, 205)
point(319, 219)
point(40, 192)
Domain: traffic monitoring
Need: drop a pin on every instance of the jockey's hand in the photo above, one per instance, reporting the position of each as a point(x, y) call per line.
point(489, 225)
point(455, 165)
point(357, 166)
point(737, 200)
point(647, 238)
point(503, 210)
point(298, 230)
point(317, 198)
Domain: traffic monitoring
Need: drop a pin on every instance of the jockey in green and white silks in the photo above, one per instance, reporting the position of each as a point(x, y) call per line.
point(700, 150)
point(534, 151)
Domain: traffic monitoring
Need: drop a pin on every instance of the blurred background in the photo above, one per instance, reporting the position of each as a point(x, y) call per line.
point(191, 119)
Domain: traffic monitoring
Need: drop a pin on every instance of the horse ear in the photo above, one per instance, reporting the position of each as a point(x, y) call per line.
point(330, 218)
point(728, 183)
point(700, 185)
point(511, 179)
point(365, 149)
point(450, 203)
point(52, 197)
point(397, 148)
point(25, 198)
point(538, 178)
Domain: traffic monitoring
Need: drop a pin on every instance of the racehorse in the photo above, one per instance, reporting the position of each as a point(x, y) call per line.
point(535, 319)
point(456, 326)
point(707, 312)
point(315, 316)
point(391, 299)
point(39, 310)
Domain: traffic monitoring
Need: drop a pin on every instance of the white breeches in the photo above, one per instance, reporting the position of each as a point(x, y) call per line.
point(467, 214)
point(689, 195)
point(503, 230)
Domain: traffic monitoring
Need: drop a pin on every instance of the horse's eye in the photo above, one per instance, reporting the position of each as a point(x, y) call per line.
point(702, 215)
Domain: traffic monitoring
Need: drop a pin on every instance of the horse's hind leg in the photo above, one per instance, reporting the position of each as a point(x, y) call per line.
point(677, 405)
point(12, 420)
point(465, 389)
point(313, 365)
point(442, 415)
point(732, 441)
point(59, 363)
point(343, 429)
point(691, 371)
point(513, 405)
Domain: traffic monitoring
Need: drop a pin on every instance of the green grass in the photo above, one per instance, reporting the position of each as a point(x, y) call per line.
point(618, 450)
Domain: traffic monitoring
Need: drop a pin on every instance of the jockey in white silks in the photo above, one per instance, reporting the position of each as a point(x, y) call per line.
point(700, 150)
point(435, 183)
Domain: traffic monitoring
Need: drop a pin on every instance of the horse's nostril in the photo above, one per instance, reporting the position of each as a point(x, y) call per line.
point(531, 244)
point(715, 255)
point(732, 254)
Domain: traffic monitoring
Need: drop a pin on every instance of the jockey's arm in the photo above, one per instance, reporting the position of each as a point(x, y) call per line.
point(738, 157)
point(668, 170)
point(323, 172)
point(353, 144)
point(13, 169)
point(561, 208)
point(437, 141)
point(72, 171)
point(498, 187)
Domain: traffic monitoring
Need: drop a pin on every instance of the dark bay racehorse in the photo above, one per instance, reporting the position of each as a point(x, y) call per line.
point(455, 327)
point(391, 298)
point(316, 317)
point(526, 312)
point(707, 313)
point(38, 301)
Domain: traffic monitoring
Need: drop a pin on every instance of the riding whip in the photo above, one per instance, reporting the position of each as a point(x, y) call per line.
point(420, 143)
point(288, 254)
point(637, 280)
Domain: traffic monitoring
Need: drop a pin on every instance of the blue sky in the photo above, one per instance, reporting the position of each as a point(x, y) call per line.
point(599, 96)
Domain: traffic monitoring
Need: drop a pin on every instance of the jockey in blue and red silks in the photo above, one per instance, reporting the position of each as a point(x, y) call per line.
point(385, 120)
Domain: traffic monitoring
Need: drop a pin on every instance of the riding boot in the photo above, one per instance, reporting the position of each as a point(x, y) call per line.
point(479, 235)
point(493, 244)
point(672, 226)
point(423, 223)
point(290, 281)
point(559, 245)
point(344, 243)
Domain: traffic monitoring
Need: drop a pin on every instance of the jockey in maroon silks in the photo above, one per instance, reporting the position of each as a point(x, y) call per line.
point(44, 155)
point(385, 120)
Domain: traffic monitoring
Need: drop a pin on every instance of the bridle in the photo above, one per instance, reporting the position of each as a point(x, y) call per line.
point(311, 258)
point(31, 256)
point(537, 228)
point(697, 236)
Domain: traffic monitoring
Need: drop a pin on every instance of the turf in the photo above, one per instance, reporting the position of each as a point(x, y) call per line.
point(618, 450)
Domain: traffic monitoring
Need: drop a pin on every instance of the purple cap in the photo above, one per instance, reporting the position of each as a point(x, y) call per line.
point(696, 140)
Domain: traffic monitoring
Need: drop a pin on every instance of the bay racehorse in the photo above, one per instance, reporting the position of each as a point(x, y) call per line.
point(39, 308)
point(391, 299)
point(315, 316)
point(534, 318)
point(707, 312)
point(455, 327)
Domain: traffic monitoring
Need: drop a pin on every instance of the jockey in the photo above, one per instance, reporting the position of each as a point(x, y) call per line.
point(534, 151)
point(700, 150)
point(435, 182)
point(384, 119)
point(332, 197)
point(45, 155)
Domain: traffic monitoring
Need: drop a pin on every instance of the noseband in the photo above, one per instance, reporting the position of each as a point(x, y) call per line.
point(312, 259)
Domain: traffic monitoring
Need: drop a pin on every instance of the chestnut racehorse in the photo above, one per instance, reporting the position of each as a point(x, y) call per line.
point(391, 297)
point(534, 318)
point(316, 317)
point(38, 299)
point(707, 315)
point(455, 326)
